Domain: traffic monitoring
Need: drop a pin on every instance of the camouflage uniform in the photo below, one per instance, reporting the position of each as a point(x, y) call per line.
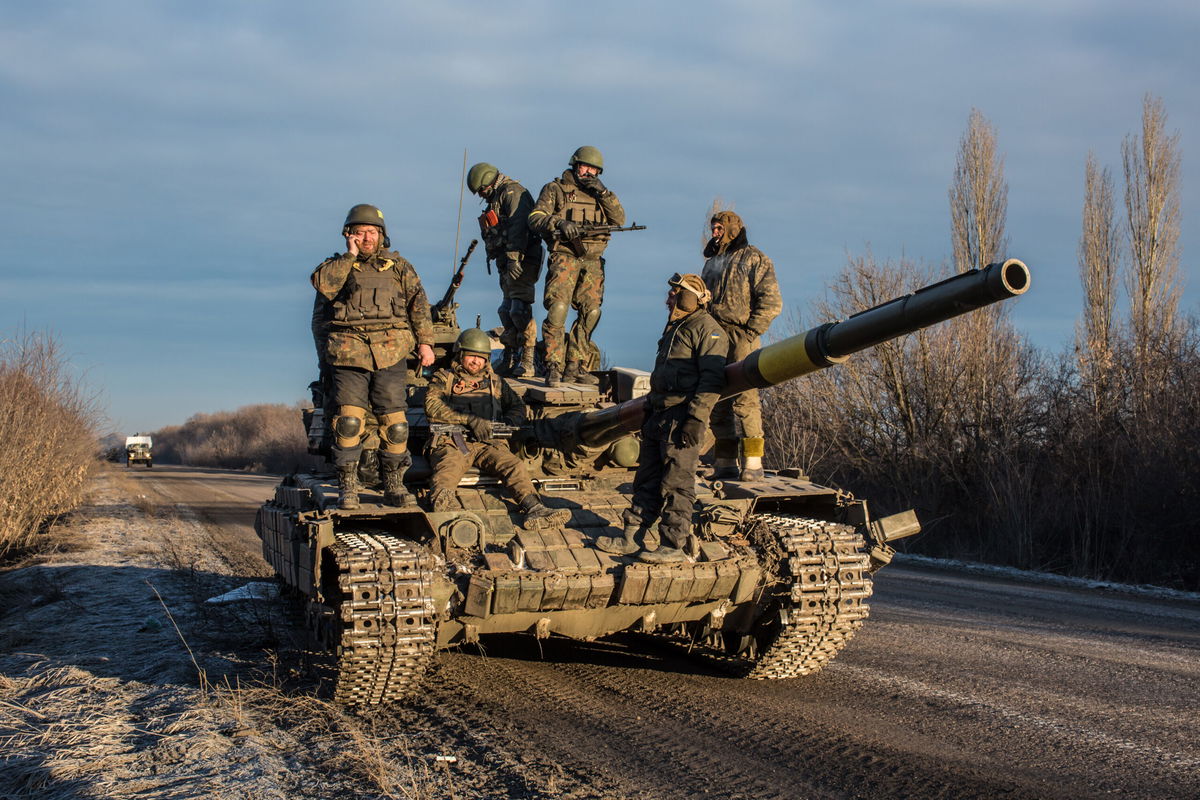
point(518, 256)
point(688, 376)
point(745, 300)
point(379, 315)
point(455, 396)
point(573, 282)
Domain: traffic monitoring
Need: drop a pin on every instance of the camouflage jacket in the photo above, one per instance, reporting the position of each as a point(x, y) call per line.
point(742, 281)
point(455, 395)
point(561, 199)
point(379, 309)
point(510, 238)
point(690, 365)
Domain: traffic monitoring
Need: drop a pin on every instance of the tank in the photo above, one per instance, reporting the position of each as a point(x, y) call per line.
point(779, 569)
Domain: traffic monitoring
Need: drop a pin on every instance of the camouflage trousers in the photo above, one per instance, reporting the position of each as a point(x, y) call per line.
point(664, 486)
point(738, 417)
point(572, 283)
point(382, 391)
point(450, 464)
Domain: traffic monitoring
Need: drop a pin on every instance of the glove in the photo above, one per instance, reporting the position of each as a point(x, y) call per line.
point(481, 429)
point(592, 185)
point(691, 432)
point(512, 268)
point(569, 230)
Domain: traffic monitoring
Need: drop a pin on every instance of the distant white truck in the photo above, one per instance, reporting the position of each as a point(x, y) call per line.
point(137, 450)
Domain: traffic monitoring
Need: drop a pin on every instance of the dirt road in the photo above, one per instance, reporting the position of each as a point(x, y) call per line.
point(958, 686)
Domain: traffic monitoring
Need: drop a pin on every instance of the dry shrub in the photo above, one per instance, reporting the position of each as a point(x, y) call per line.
point(48, 425)
point(259, 438)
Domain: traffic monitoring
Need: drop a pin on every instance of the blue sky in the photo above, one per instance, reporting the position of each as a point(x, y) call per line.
point(172, 171)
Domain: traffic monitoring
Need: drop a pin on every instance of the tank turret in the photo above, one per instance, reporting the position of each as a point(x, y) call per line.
point(778, 570)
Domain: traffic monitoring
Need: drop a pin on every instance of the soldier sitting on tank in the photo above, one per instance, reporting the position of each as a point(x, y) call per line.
point(688, 376)
point(471, 395)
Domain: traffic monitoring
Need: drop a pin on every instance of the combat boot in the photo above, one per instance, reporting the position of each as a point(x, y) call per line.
point(573, 374)
point(538, 515)
point(443, 500)
point(725, 465)
point(524, 368)
point(508, 358)
point(554, 375)
point(394, 493)
point(621, 545)
point(663, 555)
point(347, 478)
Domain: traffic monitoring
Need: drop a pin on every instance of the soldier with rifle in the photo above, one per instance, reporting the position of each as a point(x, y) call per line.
point(469, 408)
point(565, 212)
point(379, 317)
point(518, 257)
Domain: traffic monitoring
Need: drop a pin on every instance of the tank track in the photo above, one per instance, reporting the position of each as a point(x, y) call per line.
point(808, 613)
point(384, 630)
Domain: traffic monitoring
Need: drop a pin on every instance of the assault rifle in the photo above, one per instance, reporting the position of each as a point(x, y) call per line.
point(443, 310)
point(576, 244)
point(459, 433)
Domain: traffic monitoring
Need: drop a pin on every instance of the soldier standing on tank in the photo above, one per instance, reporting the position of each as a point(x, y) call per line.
point(380, 315)
point(471, 395)
point(575, 278)
point(688, 376)
point(745, 299)
point(518, 256)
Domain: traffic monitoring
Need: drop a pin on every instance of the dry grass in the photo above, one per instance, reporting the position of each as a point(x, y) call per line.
point(48, 426)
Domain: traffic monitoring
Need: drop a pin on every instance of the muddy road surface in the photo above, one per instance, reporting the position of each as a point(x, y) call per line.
point(958, 686)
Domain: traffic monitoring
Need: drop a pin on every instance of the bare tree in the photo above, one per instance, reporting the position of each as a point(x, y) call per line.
point(978, 197)
point(1099, 262)
point(1152, 165)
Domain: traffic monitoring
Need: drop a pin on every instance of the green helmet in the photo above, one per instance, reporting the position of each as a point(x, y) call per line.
point(363, 214)
point(481, 175)
point(588, 155)
point(475, 342)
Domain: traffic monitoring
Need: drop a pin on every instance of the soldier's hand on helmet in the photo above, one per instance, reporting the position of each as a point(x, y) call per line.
point(592, 185)
point(481, 429)
point(691, 432)
point(569, 230)
point(512, 268)
point(425, 353)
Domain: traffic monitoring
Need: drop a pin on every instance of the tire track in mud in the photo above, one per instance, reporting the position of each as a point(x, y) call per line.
point(660, 734)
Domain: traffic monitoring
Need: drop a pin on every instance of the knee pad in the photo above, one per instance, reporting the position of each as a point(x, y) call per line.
point(521, 313)
point(556, 313)
point(393, 432)
point(348, 425)
point(589, 319)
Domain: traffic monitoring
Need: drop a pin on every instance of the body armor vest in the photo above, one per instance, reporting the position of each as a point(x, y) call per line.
point(372, 297)
point(475, 394)
point(581, 207)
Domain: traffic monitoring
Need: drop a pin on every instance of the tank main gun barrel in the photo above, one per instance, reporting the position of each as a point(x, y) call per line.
point(833, 342)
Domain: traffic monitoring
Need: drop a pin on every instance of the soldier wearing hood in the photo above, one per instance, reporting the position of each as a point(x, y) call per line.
point(688, 376)
point(745, 299)
point(564, 210)
point(378, 316)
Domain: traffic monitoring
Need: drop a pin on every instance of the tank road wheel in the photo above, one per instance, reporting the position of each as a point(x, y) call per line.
point(818, 599)
point(383, 628)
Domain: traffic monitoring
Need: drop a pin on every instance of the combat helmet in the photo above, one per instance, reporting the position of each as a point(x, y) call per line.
point(481, 175)
point(588, 155)
point(364, 214)
point(473, 341)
